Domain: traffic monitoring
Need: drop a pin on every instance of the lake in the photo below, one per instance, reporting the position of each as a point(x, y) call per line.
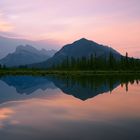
point(69, 108)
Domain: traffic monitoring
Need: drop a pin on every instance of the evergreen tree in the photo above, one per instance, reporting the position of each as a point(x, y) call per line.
point(94, 63)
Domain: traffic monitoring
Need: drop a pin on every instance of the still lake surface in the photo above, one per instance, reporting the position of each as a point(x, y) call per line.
point(66, 108)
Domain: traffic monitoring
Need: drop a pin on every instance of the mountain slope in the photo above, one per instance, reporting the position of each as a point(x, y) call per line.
point(25, 55)
point(79, 49)
point(8, 45)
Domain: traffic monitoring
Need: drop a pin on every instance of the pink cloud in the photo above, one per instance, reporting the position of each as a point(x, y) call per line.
point(110, 22)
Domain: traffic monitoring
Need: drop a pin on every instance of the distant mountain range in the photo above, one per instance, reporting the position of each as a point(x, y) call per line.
point(78, 49)
point(30, 56)
point(8, 45)
point(27, 54)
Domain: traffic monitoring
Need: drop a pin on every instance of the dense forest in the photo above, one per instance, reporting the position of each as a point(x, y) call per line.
point(94, 63)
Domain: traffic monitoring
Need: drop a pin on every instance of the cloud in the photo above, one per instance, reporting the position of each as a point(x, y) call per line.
point(11, 34)
point(5, 26)
point(111, 22)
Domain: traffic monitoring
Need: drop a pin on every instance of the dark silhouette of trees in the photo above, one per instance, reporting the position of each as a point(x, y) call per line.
point(93, 63)
point(99, 63)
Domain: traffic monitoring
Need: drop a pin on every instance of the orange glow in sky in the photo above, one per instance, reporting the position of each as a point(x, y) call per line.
point(109, 22)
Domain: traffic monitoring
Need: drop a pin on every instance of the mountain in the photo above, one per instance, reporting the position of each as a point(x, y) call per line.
point(92, 86)
point(24, 55)
point(79, 49)
point(8, 45)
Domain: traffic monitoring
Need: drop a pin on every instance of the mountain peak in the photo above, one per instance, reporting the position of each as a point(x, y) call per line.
point(85, 41)
point(82, 40)
point(28, 48)
point(25, 55)
point(78, 49)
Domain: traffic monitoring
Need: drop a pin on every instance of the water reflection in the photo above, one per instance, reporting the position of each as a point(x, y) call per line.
point(27, 84)
point(80, 87)
point(55, 114)
point(85, 87)
point(89, 87)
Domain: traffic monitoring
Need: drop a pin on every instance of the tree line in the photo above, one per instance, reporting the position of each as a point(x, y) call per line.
point(97, 63)
point(92, 63)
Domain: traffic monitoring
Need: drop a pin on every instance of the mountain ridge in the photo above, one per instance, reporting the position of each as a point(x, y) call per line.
point(78, 49)
point(24, 55)
point(8, 45)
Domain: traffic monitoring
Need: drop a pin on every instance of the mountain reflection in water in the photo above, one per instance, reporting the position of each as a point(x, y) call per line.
point(68, 108)
point(82, 88)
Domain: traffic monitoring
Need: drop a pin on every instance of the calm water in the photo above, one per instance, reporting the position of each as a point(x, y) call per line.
point(56, 108)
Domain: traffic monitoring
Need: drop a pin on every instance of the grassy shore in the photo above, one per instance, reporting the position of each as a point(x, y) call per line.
point(50, 72)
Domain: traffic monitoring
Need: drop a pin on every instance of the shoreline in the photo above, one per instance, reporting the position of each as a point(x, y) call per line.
point(68, 73)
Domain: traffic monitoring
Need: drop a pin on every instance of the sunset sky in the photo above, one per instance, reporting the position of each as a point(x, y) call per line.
point(111, 22)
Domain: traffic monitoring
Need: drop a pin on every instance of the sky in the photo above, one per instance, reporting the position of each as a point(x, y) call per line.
point(115, 23)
